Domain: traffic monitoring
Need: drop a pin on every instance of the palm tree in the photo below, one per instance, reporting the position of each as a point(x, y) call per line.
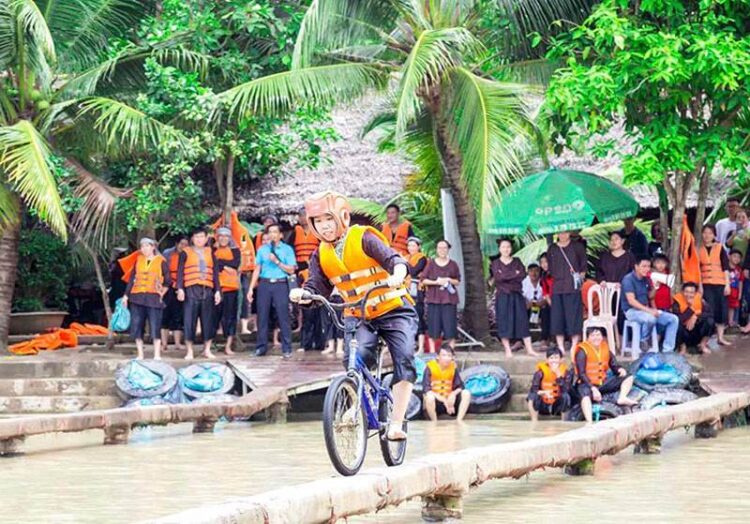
point(477, 129)
point(58, 102)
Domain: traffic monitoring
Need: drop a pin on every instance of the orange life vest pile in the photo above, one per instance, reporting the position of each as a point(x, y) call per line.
point(59, 338)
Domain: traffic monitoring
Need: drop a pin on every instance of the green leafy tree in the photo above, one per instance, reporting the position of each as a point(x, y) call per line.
point(59, 99)
point(445, 93)
point(677, 73)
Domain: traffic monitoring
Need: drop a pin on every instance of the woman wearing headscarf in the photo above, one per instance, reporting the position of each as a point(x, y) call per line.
point(228, 259)
point(143, 295)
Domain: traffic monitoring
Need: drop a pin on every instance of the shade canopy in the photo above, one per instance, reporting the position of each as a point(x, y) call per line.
point(558, 200)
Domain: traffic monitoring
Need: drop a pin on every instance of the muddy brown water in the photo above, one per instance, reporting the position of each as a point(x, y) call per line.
point(73, 479)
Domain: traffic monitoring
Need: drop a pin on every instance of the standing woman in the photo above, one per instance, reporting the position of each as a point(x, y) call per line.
point(511, 314)
point(143, 296)
point(440, 278)
point(228, 259)
point(417, 263)
point(715, 285)
point(617, 262)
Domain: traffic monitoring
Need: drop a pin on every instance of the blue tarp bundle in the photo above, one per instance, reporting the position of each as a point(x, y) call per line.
point(120, 318)
point(208, 380)
point(482, 385)
point(140, 377)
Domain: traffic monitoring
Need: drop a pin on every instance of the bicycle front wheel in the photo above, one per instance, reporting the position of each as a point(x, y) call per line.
point(345, 426)
point(393, 451)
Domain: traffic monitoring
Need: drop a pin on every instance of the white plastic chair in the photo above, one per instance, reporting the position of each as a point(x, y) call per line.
point(609, 295)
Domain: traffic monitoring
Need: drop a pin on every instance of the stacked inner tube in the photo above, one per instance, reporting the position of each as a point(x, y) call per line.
point(666, 397)
point(675, 360)
point(414, 409)
point(206, 379)
point(489, 387)
point(140, 379)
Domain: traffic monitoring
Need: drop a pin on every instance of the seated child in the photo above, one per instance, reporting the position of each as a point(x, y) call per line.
point(736, 283)
point(663, 297)
point(550, 387)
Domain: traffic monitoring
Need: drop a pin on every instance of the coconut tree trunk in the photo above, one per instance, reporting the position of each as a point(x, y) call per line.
point(9, 241)
point(475, 317)
point(229, 195)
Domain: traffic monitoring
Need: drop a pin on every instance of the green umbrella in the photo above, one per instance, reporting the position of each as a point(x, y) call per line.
point(558, 200)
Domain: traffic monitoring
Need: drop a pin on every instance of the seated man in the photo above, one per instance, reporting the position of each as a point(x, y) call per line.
point(696, 319)
point(593, 361)
point(442, 385)
point(550, 387)
point(637, 304)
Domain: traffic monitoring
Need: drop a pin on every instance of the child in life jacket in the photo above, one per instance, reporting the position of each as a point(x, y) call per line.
point(443, 388)
point(550, 386)
point(663, 296)
point(736, 283)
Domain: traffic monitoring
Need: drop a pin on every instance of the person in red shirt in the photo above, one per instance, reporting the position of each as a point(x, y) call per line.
point(663, 296)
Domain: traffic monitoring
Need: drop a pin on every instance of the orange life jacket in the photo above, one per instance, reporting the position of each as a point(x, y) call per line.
point(441, 380)
point(193, 275)
point(696, 306)
point(148, 275)
point(355, 273)
point(242, 237)
point(229, 278)
point(258, 240)
point(691, 271)
point(399, 239)
point(549, 381)
point(305, 243)
point(174, 262)
point(413, 260)
point(127, 265)
point(711, 272)
point(597, 361)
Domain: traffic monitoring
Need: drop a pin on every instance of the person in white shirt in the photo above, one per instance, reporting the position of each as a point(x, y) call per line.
point(726, 226)
point(531, 288)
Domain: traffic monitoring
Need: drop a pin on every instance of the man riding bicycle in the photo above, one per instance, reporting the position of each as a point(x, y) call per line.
point(354, 259)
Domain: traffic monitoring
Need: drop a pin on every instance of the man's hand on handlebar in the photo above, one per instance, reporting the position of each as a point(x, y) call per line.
point(300, 296)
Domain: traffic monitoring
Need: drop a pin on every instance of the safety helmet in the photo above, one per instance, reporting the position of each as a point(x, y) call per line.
point(329, 203)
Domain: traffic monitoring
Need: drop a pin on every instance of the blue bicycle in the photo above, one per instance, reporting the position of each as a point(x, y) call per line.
point(357, 405)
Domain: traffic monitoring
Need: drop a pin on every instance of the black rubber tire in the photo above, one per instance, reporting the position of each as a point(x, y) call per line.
point(126, 391)
point(498, 398)
point(636, 394)
point(329, 431)
point(393, 451)
point(608, 410)
point(227, 375)
point(414, 410)
point(679, 362)
point(668, 396)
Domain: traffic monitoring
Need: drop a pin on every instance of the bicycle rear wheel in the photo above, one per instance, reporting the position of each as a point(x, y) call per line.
point(393, 451)
point(345, 426)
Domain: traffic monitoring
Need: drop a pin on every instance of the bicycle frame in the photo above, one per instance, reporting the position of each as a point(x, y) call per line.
point(369, 388)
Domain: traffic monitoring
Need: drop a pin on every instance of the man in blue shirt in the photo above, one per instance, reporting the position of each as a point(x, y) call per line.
point(637, 297)
point(275, 262)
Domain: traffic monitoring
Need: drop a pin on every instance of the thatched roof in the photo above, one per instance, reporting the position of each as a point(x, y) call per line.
point(352, 166)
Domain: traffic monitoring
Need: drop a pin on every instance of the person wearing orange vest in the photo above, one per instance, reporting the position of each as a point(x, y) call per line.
point(172, 319)
point(354, 259)
point(228, 259)
point(198, 287)
point(143, 295)
point(396, 231)
point(550, 386)
point(696, 319)
point(310, 320)
point(442, 387)
point(417, 264)
point(715, 282)
point(593, 360)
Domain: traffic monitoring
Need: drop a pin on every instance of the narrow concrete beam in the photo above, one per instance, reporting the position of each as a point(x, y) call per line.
point(648, 446)
point(11, 446)
point(439, 508)
point(204, 425)
point(119, 434)
point(584, 467)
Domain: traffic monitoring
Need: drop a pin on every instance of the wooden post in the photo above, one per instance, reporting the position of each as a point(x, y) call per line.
point(708, 429)
point(116, 435)
point(11, 446)
point(276, 413)
point(584, 467)
point(438, 508)
point(649, 446)
point(204, 425)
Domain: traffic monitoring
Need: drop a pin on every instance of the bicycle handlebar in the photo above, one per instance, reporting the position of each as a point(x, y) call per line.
point(332, 308)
